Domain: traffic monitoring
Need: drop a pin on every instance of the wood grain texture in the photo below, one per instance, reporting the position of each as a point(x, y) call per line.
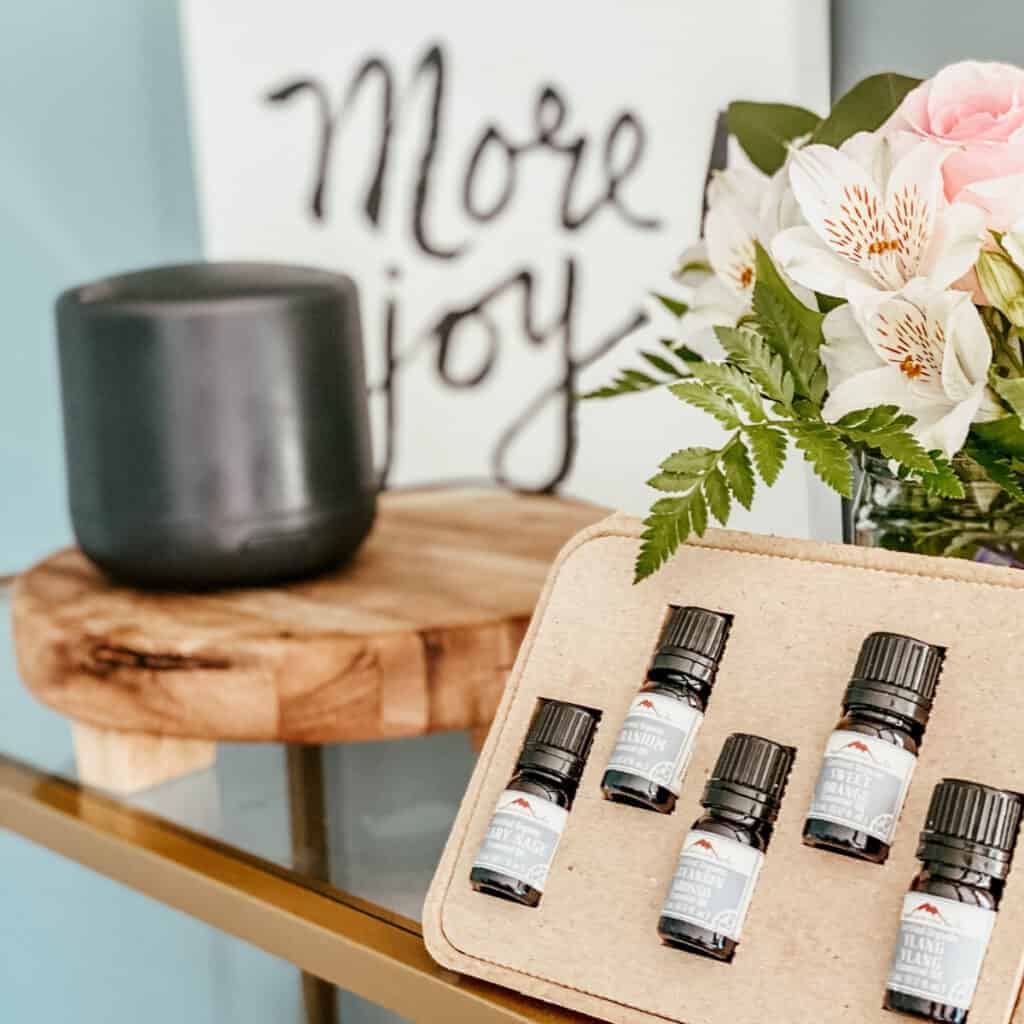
point(127, 762)
point(417, 635)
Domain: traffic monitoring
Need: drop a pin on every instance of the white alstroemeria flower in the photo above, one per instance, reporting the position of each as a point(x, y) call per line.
point(744, 207)
point(1013, 243)
point(876, 217)
point(922, 349)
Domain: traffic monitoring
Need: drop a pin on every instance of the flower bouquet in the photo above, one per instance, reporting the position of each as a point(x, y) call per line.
point(861, 279)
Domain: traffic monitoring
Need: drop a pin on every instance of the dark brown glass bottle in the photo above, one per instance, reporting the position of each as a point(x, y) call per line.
point(725, 848)
point(870, 757)
point(653, 749)
point(516, 854)
point(965, 851)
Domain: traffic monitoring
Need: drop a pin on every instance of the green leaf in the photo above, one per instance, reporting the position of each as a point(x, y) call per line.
point(764, 129)
point(674, 306)
point(661, 364)
point(943, 483)
point(738, 472)
point(631, 381)
point(672, 482)
point(664, 532)
point(698, 513)
point(672, 520)
point(681, 351)
point(734, 384)
point(707, 399)
point(999, 469)
point(690, 460)
point(789, 327)
point(716, 491)
point(823, 448)
point(769, 447)
point(1004, 435)
point(752, 354)
point(864, 108)
point(826, 303)
point(885, 428)
point(1011, 392)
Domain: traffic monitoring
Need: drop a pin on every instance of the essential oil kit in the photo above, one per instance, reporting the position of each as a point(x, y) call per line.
point(668, 823)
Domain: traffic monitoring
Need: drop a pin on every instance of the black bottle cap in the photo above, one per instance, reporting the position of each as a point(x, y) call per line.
point(971, 826)
point(559, 739)
point(896, 673)
point(749, 776)
point(692, 642)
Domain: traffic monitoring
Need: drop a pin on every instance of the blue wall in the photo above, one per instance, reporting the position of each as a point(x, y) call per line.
point(95, 177)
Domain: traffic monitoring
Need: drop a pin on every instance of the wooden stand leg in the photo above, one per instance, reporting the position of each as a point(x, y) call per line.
point(126, 762)
point(307, 811)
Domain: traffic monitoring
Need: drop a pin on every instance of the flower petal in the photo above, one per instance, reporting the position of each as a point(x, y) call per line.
point(694, 267)
point(846, 351)
point(1001, 199)
point(730, 230)
point(902, 334)
point(884, 386)
point(946, 427)
point(1013, 243)
point(912, 199)
point(954, 246)
point(839, 199)
point(968, 352)
point(804, 257)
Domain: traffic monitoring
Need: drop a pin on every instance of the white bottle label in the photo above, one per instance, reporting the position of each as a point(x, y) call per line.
point(862, 784)
point(523, 837)
point(940, 949)
point(656, 740)
point(714, 883)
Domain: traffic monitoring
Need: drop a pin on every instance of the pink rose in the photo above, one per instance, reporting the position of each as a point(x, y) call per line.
point(977, 109)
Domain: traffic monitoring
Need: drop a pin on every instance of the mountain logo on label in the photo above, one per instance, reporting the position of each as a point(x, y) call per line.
point(522, 802)
point(648, 705)
point(931, 910)
point(858, 747)
point(704, 847)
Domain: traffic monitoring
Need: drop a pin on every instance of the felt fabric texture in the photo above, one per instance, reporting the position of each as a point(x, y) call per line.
point(820, 931)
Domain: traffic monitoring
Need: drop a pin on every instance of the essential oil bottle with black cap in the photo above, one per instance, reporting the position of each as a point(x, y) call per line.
point(524, 834)
point(653, 748)
point(948, 915)
point(723, 852)
point(870, 758)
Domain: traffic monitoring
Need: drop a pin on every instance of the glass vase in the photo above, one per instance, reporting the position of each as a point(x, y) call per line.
point(986, 525)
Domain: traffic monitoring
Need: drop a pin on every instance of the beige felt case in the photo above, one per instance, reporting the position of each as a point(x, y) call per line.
point(819, 934)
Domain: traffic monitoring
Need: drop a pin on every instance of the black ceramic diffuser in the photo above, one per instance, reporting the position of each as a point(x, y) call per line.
point(216, 425)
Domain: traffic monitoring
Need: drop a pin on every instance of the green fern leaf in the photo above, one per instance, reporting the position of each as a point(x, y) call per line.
point(707, 399)
point(695, 460)
point(664, 531)
point(884, 428)
point(789, 327)
point(734, 384)
point(823, 448)
point(739, 473)
point(769, 447)
point(716, 492)
point(753, 355)
point(999, 469)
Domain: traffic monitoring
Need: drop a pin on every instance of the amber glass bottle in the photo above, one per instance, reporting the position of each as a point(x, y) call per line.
point(723, 852)
point(870, 757)
point(948, 915)
point(653, 748)
point(524, 834)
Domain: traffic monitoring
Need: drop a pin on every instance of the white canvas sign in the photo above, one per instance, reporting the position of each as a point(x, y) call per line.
point(506, 184)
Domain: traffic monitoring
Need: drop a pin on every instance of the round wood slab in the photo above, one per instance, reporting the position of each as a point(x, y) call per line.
point(416, 636)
